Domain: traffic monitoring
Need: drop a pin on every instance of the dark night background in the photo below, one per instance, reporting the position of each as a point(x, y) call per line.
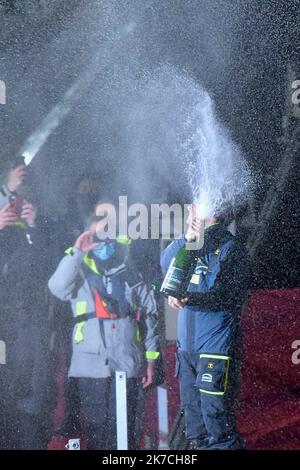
point(238, 50)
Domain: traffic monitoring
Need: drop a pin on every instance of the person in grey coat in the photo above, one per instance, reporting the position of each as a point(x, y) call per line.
point(115, 329)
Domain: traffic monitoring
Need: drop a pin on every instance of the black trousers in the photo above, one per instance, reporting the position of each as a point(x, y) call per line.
point(98, 406)
point(208, 414)
point(24, 410)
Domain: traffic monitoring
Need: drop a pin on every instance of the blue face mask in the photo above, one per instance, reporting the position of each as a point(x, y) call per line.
point(104, 251)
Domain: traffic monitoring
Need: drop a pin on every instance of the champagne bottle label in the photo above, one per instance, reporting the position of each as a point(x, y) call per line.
point(175, 282)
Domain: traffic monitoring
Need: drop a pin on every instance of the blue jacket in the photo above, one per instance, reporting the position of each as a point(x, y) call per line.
point(209, 322)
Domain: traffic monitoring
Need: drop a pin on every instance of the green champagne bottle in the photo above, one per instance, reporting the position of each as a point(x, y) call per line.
point(178, 276)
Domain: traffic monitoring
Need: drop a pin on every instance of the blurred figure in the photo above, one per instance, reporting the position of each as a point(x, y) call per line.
point(23, 274)
point(115, 320)
point(81, 205)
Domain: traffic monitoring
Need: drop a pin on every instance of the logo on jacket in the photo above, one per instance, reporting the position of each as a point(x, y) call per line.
point(206, 378)
point(202, 268)
point(210, 365)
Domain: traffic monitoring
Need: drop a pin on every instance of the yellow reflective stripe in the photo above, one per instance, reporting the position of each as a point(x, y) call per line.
point(211, 393)
point(20, 224)
point(138, 335)
point(152, 355)
point(91, 264)
point(79, 333)
point(214, 356)
point(123, 240)
point(81, 308)
point(88, 261)
point(226, 376)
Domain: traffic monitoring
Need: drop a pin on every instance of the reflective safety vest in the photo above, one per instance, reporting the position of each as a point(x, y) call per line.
point(107, 307)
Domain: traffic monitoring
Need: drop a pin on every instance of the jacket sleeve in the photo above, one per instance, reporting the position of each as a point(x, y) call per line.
point(170, 252)
point(4, 195)
point(230, 287)
point(149, 317)
point(63, 282)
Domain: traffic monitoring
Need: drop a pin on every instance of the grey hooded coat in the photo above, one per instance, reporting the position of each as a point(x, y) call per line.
point(100, 347)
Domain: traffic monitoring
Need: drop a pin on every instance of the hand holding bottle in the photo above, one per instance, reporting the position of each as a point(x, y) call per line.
point(177, 278)
point(195, 225)
point(176, 303)
point(16, 178)
point(7, 216)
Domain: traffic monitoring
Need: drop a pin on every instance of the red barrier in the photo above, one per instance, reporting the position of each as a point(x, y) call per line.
point(269, 409)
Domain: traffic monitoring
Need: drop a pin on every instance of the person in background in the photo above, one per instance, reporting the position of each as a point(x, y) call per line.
point(80, 206)
point(15, 178)
point(115, 319)
point(208, 355)
point(23, 280)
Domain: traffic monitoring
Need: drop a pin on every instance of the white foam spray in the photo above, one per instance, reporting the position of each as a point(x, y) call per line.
point(171, 125)
point(216, 169)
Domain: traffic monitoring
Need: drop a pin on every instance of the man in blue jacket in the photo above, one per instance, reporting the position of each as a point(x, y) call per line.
point(208, 333)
